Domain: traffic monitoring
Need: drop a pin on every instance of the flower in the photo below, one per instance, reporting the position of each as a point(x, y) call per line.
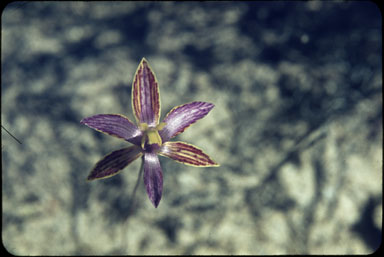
point(149, 137)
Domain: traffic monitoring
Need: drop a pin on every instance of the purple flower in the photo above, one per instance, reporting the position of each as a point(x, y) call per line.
point(149, 137)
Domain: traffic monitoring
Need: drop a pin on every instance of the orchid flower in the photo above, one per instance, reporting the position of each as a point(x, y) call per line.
point(149, 137)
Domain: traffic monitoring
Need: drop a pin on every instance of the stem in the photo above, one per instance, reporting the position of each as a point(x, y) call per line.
point(131, 205)
point(132, 198)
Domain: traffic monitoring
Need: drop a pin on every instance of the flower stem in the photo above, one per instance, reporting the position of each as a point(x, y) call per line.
point(130, 209)
point(132, 198)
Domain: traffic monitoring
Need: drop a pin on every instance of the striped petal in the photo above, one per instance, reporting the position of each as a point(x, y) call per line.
point(153, 177)
point(145, 95)
point(181, 117)
point(114, 162)
point(187, 154)
point(115, 125)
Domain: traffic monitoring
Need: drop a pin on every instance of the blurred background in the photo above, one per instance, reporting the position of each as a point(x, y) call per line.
point(297, 127)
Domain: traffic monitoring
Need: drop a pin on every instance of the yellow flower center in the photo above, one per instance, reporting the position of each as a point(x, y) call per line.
point(151, 135)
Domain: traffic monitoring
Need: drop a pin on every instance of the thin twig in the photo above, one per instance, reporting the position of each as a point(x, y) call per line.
point(11, 134)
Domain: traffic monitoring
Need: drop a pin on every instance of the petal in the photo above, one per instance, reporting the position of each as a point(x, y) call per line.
point(115, 125)
point(114, 162)
point(153, 177)
point(187, 154)
point(181, 117)
point(145, 95)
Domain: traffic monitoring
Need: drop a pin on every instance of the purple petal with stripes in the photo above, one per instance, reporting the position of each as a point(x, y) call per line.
point(182, 116)
point(187, 154)
point(115, 125)
point(145, 95)
point(153, 177)
point(114, 162)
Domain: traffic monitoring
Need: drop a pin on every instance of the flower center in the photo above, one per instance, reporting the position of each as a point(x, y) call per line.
point(151, 135)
